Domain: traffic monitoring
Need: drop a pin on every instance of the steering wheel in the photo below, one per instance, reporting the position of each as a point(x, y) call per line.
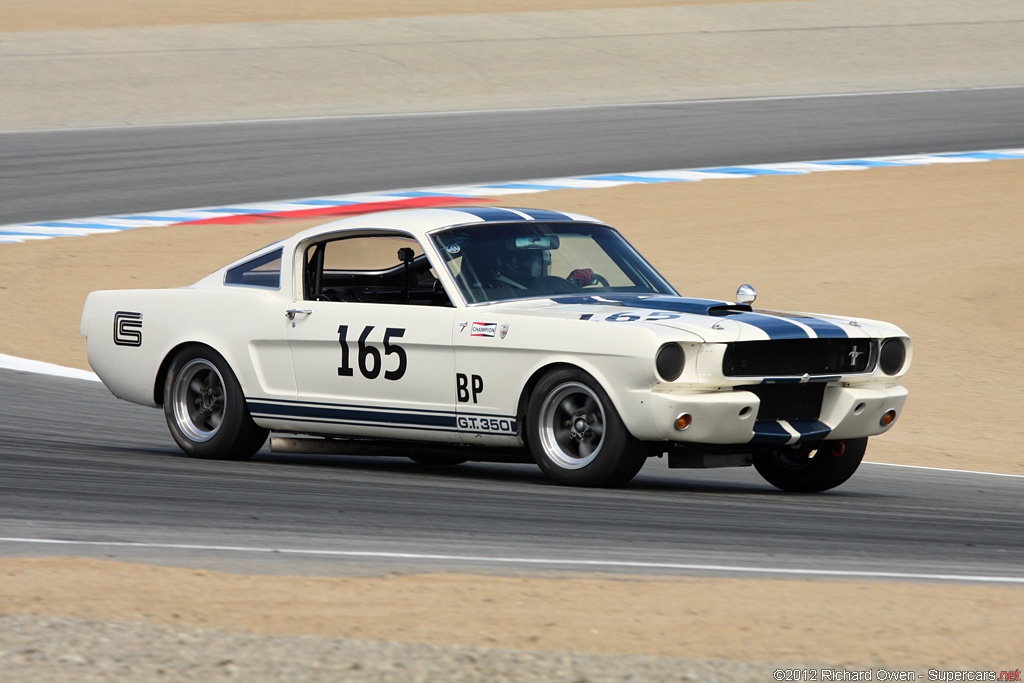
point(553, 284)
point(578, 278)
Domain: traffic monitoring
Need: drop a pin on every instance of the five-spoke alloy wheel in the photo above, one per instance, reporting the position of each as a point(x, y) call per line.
point(205, 408)
point(575, 434)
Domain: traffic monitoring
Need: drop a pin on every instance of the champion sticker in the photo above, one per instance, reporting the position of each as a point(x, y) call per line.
point(483, 329)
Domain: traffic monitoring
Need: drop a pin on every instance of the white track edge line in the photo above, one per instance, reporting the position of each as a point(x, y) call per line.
point(533, 561)
point(944, 469)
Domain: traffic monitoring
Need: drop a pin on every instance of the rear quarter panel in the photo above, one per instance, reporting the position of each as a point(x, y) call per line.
point(130, 334)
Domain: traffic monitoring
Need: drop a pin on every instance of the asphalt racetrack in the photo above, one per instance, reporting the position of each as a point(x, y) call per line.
point(78, 466)
point(48, 175)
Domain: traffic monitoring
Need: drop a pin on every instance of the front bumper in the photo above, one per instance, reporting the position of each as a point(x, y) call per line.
point(728, 417)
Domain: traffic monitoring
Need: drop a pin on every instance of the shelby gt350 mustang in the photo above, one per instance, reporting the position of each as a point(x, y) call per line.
point(448, 335)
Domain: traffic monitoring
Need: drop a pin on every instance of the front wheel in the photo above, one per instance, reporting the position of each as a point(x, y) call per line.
point(205, 408)
point(809, 470)
point(575, 434)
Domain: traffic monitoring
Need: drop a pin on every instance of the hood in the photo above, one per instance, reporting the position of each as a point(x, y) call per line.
point(709, 319)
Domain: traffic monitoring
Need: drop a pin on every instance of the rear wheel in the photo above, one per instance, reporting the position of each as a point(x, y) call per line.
point(205, 408)
point(575, 434)
point(809, 470)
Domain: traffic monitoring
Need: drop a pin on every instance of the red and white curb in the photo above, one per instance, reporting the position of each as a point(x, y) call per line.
point(354, 204)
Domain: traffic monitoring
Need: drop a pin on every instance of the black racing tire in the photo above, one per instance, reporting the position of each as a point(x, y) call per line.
point(205, 408)
point(438, 460)
point(575, 434)
point(811, 470)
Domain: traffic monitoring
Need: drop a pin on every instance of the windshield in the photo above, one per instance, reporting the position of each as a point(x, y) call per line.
point(495, 262)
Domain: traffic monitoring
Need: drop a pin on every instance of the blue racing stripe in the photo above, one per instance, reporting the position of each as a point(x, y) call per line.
point(776, 328)
point(810, 430)
point(360, 416)
point(358, 423)
point(823, 328)
point(770, 432)
point(490, 213)
point(544, 215)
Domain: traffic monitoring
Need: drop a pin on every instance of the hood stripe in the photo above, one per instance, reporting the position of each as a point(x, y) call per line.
point(824, 329)
point(775, 328)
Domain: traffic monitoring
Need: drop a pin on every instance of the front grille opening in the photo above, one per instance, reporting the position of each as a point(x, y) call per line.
point(788, 401)
point(797, 357)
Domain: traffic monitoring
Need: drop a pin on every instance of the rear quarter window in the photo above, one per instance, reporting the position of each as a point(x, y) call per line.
point(262, 271)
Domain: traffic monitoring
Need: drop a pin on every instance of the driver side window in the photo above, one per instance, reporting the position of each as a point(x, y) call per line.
point(372, 267)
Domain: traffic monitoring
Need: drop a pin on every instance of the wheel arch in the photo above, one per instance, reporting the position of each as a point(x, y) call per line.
point(553, 366)
point(165, 366)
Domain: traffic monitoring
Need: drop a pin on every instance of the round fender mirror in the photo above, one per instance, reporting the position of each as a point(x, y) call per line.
point(746, 294)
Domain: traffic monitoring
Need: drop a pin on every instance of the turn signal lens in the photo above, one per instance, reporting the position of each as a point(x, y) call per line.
point(683, 421)
point(888, 418)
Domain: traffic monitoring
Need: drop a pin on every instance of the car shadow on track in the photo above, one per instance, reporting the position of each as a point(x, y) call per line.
point(652, 479)
point(480, 472)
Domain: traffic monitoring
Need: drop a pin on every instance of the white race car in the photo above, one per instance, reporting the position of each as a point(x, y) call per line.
point(516, 335)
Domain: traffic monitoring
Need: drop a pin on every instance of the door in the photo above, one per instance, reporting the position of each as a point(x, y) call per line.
point(375, 359)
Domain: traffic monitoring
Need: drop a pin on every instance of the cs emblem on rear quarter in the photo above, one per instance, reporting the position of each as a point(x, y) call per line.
point(127, 328)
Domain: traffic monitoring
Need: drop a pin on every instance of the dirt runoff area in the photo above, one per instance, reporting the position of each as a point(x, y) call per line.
point(47, 15)
point(710, 625)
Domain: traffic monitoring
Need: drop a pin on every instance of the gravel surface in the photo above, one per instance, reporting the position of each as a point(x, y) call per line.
point(46, 649)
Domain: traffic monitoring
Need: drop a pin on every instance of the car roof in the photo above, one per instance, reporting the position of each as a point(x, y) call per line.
point(419, 222)
point(416, 222)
